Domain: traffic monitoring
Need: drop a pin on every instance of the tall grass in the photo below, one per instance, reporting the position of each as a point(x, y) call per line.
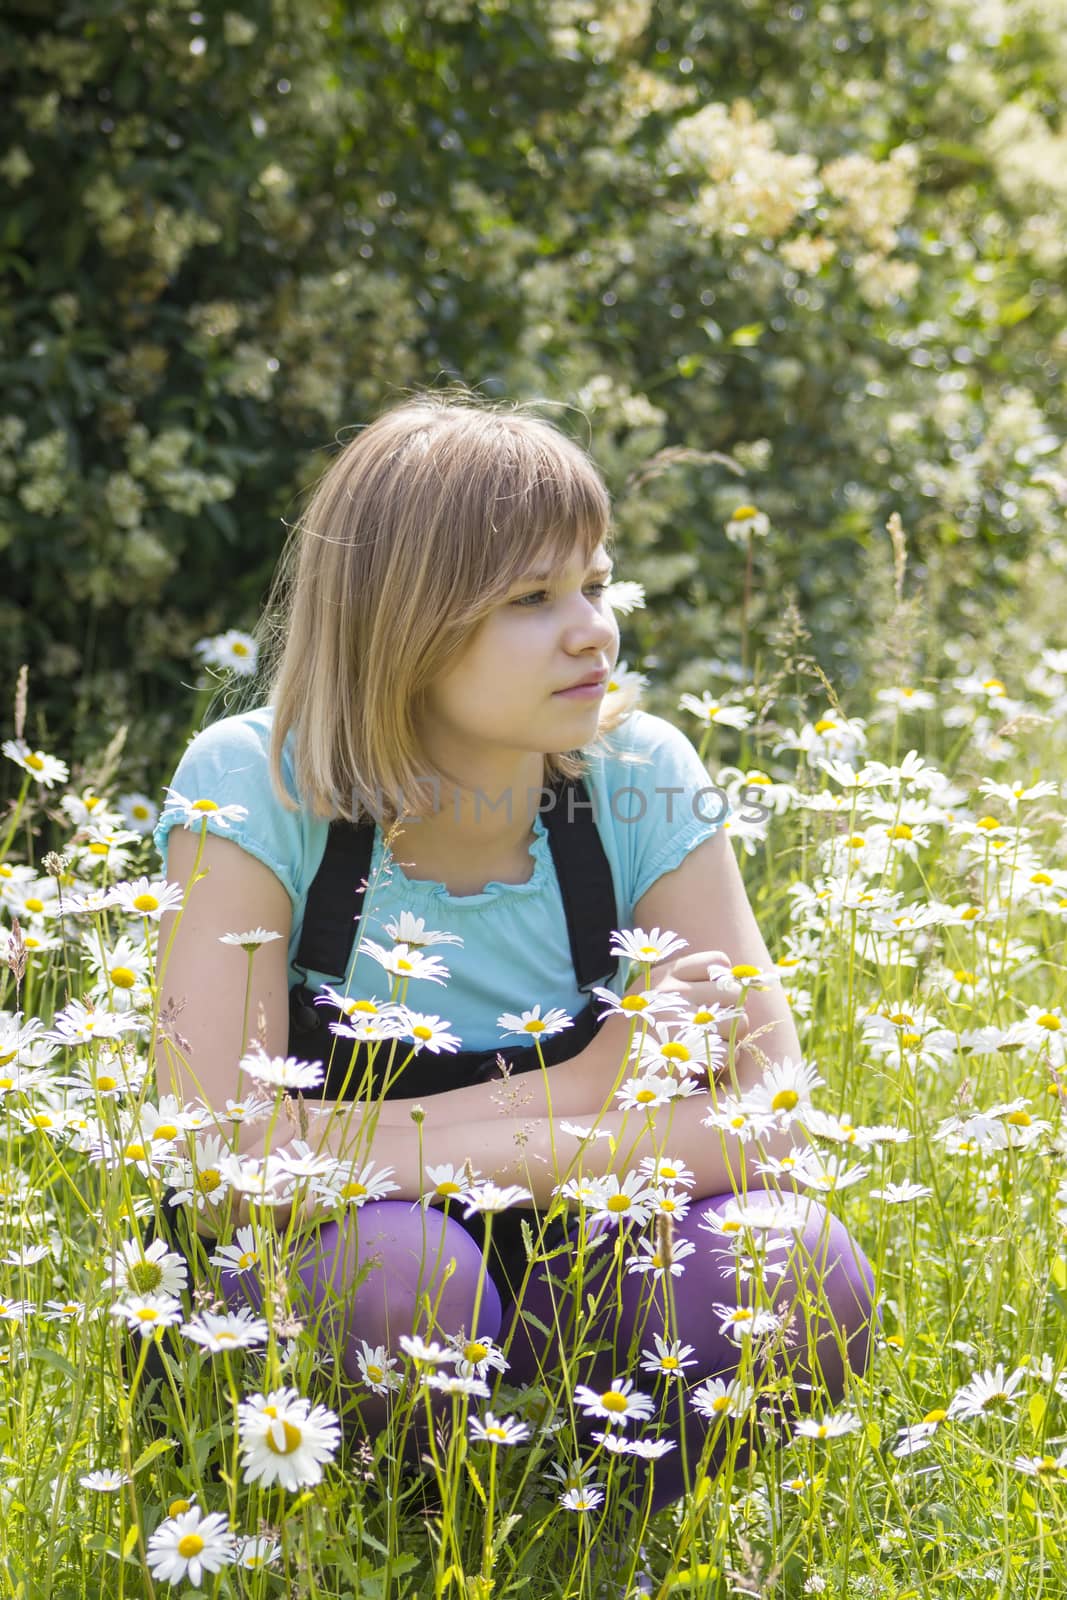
point(916, 909)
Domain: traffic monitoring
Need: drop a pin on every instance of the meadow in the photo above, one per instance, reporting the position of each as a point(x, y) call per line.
point(906, 865)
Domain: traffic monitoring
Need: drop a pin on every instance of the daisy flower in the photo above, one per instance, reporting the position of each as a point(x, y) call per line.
point(456, 1383)
point(628, 1201)
point(585, 1497)
point(189, 1546)
point(404, 961)
point(986, 1391)
point(666, 1169)
point(426, 1032)
point(449, 1181)
point(745, 1322)
point(257, 1551)
point(145, 897)
point(282, 1072)
point(353, 1185)
point(195, 813)
point(80, 1024)
point(251, 940)
point(714, 1398)
point(669, 1358)
point(285, 1439)
point(617, 1444)
point(240, 1256)
point(376, 1368)
point(646, 949)
point(714, 714)
point(475, 1357)
point(916, 1437)
point(646, 1092)
point(498, 1430)
point(740, 977)
point(831, 1427)
point(624, 596)
point(148, 1270)
point(784, 1087)
point(104, 1480)
point(747, 522)
point(428, 1354)
point(232, 651)
point(47, 770)
point(487, 1196)
point(239, 1330)
point(138, 812)
point(621, 1403)
point(1047, 1467)
point(639, 1003)
point(657, 1256)
point(145, 1313)
point(413, 932)
point(533, 1024)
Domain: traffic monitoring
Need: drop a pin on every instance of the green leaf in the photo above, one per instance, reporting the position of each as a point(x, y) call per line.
point(54, 1359)
point(1036, 1408)
point(157, 1448)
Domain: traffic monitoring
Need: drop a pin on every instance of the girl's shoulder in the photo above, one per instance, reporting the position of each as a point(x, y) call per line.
point(643, 739)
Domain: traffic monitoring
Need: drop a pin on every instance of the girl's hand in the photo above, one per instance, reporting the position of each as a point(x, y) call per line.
point(687, 976)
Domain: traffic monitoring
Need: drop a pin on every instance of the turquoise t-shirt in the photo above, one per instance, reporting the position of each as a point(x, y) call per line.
point(653, 802)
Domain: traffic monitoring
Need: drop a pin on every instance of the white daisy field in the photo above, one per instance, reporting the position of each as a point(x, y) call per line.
point(908, 871)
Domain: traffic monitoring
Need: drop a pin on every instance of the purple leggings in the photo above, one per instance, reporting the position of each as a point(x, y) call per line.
point(827, 1288)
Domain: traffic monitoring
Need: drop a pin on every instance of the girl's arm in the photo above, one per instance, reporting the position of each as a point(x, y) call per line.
point(704, 901)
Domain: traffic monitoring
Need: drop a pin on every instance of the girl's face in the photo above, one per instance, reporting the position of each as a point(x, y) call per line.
point(513, 687)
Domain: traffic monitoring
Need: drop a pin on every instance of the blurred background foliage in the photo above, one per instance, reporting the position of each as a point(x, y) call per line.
point(805, 257)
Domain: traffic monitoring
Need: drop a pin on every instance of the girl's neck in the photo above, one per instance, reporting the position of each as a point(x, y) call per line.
point(487, 823)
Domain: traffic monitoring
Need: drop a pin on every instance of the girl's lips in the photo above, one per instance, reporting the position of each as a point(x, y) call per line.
point(583, 691)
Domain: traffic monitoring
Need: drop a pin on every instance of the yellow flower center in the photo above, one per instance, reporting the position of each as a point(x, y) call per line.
point(495, 1432)
point(145, 902)
point(821, 1431)
point(784, 1100)
point(703, 1016)
point(1047, 1020)
point(365, 1005)
point(987, 823)
point(290, 1440)
point(612, 1400)
point(353, 1190)
point(190, 1545)
point(743, 970)
point(1019, 1119)
point(669, 1363)
point(900, 831)
point(208, 1179)
point(674, 1050)
point(633, 1002)
point(374, 1373)
point(901, 1017)
point(134, 1152)
point(238, 648)
point(645, 1097)
point(1040, 877)
point(33, 904)
point(475, 1351)
point(447, 1187)
point(41, 1120)
point(245, 1260)
point(744, 514)
point(619, 1202)
point(535, 1025)
point(825, 725)
point(721, 1402)
point(123, 977)
point(176, 1507)
point(422, 1032)
point(994, 686)
point(165, 1130)
point(910, 1040)
point(970, 913)
point(34, 760)
point(105, 1083)
point(961, 975)
point(403, 964)
point(204, 805)
point(146, 1314)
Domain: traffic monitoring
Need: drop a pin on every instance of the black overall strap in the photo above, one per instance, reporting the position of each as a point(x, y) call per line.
point(585, 882)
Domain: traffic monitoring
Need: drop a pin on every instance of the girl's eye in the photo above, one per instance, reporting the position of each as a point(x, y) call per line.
point(535, 599)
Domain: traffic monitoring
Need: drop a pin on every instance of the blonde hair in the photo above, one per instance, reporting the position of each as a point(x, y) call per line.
point(421, 524)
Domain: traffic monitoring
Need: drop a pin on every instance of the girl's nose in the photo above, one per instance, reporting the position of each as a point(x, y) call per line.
point(593, 626)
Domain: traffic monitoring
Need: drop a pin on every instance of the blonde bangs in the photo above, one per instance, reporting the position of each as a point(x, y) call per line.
point(420, 526)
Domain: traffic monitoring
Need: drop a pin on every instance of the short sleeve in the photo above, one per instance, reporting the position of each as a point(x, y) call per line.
point(229, 764)
point(660, 800)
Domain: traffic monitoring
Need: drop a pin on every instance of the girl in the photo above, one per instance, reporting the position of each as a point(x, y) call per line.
point(444, 685)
